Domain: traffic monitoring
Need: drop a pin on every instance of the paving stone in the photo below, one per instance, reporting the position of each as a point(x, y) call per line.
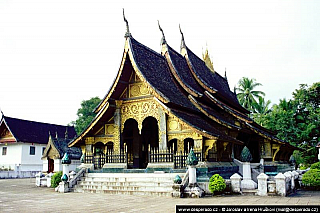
point(21, 195)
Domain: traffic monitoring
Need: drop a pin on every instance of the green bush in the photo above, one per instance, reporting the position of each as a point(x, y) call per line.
point(312, 179)
point(217, 183)
point(56, 179)
point(315, 165)
point(302, 167)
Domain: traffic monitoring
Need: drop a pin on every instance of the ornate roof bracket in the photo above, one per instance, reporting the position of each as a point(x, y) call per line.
point(183, 43)
point(163, 39)
point(128, 34)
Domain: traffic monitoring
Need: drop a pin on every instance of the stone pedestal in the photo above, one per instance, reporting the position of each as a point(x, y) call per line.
point(192, 174)
point(65, 169)
point(63, 187)
point(247, 182)
point(236, 183)
point(262, 184)
point(193, 190)
point(49, 176)
point(280, 184)
point(177, 191)
point(38, 178)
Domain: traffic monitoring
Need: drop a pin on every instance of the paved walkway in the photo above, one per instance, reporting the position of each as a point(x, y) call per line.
point(21, 195)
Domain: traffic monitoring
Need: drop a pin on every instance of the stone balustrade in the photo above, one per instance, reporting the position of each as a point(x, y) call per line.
point(281, 184)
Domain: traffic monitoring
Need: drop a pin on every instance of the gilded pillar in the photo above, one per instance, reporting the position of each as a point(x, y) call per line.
point(117, 127)
point(162, 129)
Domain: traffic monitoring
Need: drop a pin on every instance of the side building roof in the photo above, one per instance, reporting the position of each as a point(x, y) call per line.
point(36, 132)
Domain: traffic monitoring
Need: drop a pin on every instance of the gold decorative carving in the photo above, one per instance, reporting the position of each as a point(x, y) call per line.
point(118, 103)
point(109, 129)
point(173, 125)
point(139, 110)
point(211, 144)
point(266, 147)
point(138, 89)
point(182, 136)
point(225, 144)
point(89, 140)
point(6, 134)
point(275, 147)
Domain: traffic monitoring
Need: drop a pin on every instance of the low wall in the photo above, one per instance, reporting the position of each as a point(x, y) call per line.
point(17, 174)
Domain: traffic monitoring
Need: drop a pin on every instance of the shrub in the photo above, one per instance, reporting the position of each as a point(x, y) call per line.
point(312, 179)
point(216, 183)
point(56, 179)
point(315, 165)
point(302, 167)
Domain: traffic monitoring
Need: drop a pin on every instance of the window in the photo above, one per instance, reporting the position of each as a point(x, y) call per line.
point(43, 148)
point(4, 150)
point(32, 150)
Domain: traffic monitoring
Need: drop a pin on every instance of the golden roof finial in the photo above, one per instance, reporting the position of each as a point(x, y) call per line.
point(128, 34)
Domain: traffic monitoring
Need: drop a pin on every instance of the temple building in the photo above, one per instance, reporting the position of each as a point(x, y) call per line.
point(163, 104)
point(55, 150)
point(22, 142)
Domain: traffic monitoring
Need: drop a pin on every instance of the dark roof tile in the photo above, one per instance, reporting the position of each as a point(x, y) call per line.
point(36, 132)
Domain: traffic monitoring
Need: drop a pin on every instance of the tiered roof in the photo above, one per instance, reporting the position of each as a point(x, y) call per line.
point(186, 87)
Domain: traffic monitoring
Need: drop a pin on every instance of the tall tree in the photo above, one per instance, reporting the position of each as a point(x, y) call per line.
point(298, 120)
point(261, 110)
point(247, 94)
point(85, 114)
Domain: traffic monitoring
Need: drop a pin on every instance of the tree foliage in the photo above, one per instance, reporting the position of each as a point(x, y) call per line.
point(298, 120)
point(85, 114)
point(247, 94)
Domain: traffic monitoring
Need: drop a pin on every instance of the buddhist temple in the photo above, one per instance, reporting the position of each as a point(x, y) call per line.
point(162, 104)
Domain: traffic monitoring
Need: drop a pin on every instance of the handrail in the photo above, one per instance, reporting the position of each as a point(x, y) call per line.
point(74, 180)
point(185, 180)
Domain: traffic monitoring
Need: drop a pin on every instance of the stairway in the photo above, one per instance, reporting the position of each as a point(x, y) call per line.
point(154, 184)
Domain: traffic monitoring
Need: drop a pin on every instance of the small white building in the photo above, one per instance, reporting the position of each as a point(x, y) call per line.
point(54, 152)
point(22, 143)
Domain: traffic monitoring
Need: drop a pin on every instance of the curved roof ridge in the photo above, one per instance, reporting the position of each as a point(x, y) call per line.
point(209, 112)
point(227, 108)
point(206, 77)
point(180, 72)
point(155, 69)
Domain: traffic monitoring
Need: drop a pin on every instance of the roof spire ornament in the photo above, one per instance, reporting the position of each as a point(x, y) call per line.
point(183, 43)
point(163, 39)
point(225, 73)
point(2, 115)
point(128, 34)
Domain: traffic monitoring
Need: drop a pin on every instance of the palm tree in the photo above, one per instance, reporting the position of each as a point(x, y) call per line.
point(246, 93)
point(261, 109)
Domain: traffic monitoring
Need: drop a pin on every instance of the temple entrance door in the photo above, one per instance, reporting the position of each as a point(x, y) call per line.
point(149, 136)
point(50, 165)
point(131, 138)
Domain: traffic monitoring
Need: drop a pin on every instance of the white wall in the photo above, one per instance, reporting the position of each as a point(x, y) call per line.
point(31, 162)
point(13, 156)
point(57, 165)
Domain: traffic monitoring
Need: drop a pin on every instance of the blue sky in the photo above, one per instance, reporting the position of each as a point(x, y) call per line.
point(54, 54)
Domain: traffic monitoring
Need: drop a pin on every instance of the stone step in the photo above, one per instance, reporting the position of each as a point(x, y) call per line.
point(249, 191)
point(127, 192)
point(159, 184)
point(141, 179)
point(125, 188)
point(125, 183)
